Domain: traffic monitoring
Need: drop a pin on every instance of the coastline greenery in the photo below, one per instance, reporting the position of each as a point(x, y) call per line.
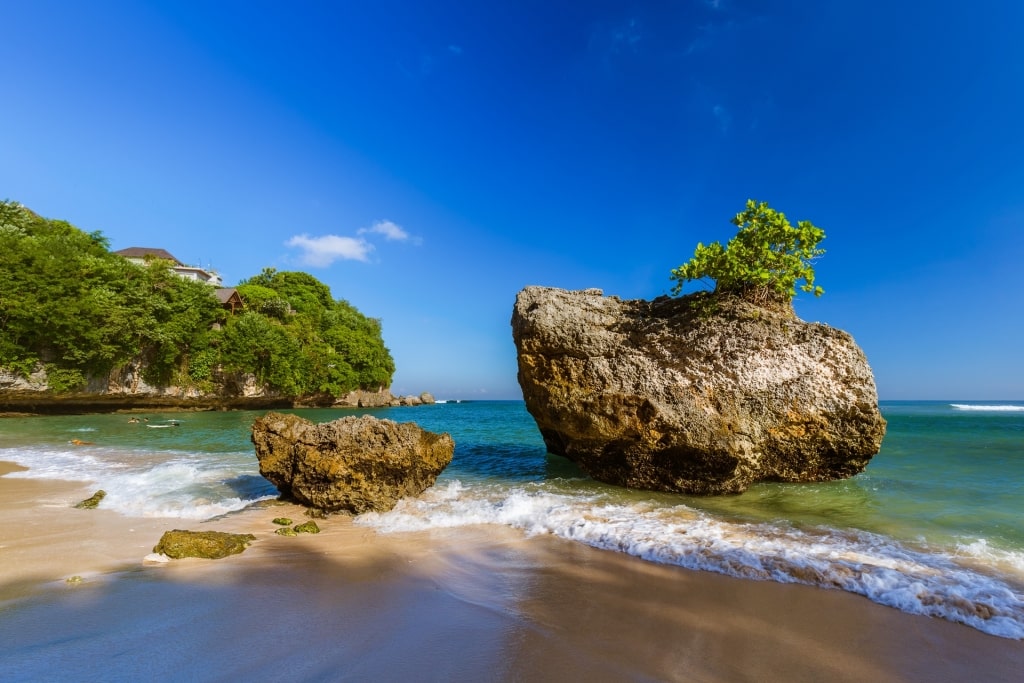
point(764, 261)
point(67, 302)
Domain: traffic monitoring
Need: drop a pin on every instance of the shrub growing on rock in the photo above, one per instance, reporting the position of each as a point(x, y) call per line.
point(764, 261)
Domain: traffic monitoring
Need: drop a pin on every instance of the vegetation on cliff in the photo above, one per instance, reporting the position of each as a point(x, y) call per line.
point(70, 304)
point(764, 261)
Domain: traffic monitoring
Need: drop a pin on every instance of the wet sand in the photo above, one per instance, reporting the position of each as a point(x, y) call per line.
point(476, 604)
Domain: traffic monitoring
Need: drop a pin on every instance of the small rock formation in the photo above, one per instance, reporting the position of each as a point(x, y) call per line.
point(211, 545)
point(700, 394)
point(357, 464)
point(92, 501)
point(309, 527)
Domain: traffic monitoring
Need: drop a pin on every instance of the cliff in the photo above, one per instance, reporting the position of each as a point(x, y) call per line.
point(125, 389)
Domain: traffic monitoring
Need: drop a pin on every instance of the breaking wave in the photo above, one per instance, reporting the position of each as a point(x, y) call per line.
point(1006, 408)
point(144, 484)
point(929, 581)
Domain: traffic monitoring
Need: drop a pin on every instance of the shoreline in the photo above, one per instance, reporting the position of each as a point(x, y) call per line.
point(477, 603)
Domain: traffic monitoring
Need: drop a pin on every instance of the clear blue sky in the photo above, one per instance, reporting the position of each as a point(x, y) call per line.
point(427, 160)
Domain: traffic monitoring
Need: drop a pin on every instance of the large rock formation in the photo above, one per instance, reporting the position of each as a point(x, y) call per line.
point(697, 394)
point(356, 464)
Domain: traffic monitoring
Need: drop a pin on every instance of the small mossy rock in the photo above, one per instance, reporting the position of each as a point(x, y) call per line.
point(309, 527)
point(282, 521)
point(211, 545)
point(286, 531)
point(92, 501)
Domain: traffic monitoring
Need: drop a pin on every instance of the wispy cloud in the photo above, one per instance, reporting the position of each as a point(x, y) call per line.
point(391, 231)
point(723, 117)
point(455, 50)
point(322, 251)
point(627, 34)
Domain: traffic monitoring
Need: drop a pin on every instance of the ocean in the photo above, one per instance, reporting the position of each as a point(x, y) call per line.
point(934, 526)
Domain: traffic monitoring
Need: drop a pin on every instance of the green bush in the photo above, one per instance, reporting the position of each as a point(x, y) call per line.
point(763, 263)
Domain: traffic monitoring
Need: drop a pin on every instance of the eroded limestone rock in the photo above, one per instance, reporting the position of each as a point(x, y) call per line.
point(357, 464)
point(691, 394)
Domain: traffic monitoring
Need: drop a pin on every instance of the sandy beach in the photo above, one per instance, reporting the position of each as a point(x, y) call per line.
point(477, 604)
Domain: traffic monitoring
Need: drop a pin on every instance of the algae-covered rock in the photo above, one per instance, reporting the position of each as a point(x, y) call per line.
point(309, 527)
point(92, 501)
point(282, 521)
point(211, 545)
point(286, 531)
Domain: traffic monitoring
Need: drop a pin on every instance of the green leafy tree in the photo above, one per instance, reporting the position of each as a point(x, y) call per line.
point(264, 300)
point(254, 343)
point(67, 302)
point(763, 263)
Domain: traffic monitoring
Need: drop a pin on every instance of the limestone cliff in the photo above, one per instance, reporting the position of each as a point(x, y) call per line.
point(124, 388)
point(692, 394)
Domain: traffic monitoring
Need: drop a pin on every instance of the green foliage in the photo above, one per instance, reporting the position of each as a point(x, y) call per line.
point(67, 301)
point(63, 380)
point(201, 364)
point(763, 263)
point(264, 300)
point(339, 349)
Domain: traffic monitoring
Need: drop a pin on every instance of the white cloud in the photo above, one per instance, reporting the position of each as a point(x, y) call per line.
point(455, 50)
point(391, 231)
point(323, 251)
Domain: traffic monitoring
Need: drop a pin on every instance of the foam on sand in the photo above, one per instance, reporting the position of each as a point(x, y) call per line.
point(914, 580)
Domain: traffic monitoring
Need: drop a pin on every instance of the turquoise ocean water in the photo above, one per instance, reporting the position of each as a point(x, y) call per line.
point(934, 526)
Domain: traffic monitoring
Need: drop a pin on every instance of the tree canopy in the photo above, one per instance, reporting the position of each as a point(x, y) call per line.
point(66, 301)
point(763, 263)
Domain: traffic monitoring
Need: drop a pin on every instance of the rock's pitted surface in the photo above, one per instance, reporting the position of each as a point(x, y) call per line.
point(356, 464)
point(693, 395)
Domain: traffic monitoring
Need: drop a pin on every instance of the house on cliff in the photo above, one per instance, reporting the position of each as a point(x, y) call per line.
point(229, 298)
point(144, 255)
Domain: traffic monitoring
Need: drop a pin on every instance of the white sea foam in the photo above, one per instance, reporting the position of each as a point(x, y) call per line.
point(919, 581)
point(69, 464)
point(1006, 408)
point(140, 483)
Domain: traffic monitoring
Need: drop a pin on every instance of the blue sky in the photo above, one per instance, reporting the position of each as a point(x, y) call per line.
point(427, 160)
